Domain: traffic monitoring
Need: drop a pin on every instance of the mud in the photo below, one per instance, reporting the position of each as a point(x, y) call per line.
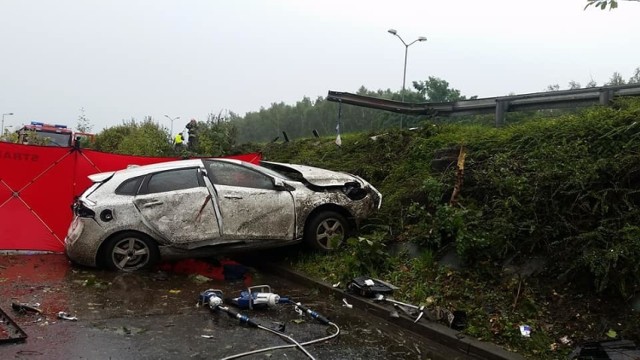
point(153, 315)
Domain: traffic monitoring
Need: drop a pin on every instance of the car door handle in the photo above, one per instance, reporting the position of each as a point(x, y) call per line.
point(232, 197)
point(152, 203)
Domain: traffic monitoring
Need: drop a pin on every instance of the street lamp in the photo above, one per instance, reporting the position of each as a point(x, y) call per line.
point(176, 118)
point(406, 50)
point(3, 115)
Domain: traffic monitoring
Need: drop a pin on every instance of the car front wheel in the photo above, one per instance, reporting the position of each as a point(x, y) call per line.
point(130, 252)
point(326, 231)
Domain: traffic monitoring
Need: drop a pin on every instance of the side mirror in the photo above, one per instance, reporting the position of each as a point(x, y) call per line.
point(279, 184)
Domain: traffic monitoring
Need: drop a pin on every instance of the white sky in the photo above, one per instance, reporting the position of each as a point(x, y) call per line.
point(120, 59)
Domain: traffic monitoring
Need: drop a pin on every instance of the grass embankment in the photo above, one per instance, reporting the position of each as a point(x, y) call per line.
point(546, 223)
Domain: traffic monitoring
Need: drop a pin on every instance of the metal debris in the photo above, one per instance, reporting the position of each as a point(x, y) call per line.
point(346, 304)
point(65, 316)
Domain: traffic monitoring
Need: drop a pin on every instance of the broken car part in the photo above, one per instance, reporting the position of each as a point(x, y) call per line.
point(10, 332)
point(400, 304)
point(25, 308)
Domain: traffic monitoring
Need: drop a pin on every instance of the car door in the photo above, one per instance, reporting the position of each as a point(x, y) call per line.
point(251, 207)
point(177, 205)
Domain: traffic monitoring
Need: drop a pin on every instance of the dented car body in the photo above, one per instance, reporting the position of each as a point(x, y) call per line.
point(129, 219)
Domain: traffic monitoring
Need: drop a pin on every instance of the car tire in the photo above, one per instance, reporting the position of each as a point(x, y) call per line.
point(326, 231)
point(130, 251)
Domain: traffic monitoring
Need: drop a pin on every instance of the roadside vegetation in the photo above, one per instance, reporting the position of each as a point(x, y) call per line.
point(544, 230)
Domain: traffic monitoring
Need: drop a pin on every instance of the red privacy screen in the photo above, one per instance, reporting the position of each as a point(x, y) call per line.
point(38, 185)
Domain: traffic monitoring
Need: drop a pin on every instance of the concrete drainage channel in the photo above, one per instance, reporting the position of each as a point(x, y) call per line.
point(440, 334)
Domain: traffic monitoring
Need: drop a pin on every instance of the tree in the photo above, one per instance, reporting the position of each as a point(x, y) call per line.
point(132, 138)
point(616, 79)
point(573, 85)
point(635, 79)
point(437, 90)
point(84, 124)
point(591, 84)
point(553, 87)
point(603, 4)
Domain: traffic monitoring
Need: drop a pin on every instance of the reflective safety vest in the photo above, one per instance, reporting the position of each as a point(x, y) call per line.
point(178, 139)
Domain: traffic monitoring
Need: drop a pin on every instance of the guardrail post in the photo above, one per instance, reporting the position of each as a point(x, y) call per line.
point(501, 111)
point(605, 97)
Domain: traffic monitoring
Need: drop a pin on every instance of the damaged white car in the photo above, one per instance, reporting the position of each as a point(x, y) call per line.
point(130, 219)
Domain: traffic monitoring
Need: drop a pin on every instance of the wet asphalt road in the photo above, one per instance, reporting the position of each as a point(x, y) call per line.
point(153, 315)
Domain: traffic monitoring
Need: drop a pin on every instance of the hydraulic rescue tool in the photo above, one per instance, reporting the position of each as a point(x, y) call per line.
point(261, 297)
point(402, 305)
point(258, 297)
point(211, 297)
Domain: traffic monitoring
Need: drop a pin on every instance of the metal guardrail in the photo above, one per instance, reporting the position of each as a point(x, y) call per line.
point(498, 105)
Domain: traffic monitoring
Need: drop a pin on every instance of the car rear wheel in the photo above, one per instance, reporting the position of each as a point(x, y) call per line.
point(130, 252)
point(326, 231)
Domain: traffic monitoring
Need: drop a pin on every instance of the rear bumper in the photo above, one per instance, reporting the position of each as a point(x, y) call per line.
point(82, 241)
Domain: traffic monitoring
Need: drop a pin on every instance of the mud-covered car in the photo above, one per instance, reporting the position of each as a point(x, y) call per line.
point(129, 219)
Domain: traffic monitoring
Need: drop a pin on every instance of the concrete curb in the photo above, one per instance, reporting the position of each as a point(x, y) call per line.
point(431, 330)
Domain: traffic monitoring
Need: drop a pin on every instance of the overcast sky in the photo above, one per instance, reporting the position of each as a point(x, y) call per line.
point(120, 59)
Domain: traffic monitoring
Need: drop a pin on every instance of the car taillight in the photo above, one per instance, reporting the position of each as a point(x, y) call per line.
point(82, 211)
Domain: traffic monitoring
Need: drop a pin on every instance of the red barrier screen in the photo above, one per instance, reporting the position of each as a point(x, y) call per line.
point(38, 185)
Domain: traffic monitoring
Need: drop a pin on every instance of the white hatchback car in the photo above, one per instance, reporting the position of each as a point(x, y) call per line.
point(129, 219)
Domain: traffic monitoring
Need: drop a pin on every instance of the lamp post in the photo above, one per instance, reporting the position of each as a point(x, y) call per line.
point(170, 118)
point(406, 51)
point(3, 115)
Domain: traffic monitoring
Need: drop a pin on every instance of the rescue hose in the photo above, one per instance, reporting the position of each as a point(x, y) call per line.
point(271, 348)
point(250, 322)
point(309, 312)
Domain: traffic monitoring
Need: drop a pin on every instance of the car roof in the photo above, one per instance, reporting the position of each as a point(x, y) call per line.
point(168, 165)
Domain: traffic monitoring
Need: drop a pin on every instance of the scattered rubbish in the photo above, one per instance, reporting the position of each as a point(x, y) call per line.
point(565, 340)
point(207, 336)
point(525, 330)
point(336, 284)
point(199, 279)
point(279, 326)
point(297, 321)
point(24, 308)
point(174, 291)
point(346, 304)
point(612, 334)
point(124, 330)
point(65, 316)
point(160, 276)
point(10, 332)
point(610, 349)
point(458, 320)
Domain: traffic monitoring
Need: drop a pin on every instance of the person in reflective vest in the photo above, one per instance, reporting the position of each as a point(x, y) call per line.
point(178, 141)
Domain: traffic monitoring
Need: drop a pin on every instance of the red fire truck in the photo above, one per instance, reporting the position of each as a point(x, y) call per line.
point(52, 135)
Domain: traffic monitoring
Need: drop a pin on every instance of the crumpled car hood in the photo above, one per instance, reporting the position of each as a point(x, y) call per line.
point(315, 176)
